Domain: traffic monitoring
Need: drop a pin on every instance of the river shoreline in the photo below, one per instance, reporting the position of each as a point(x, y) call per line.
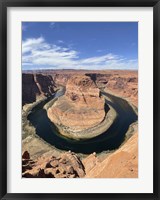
point(109, 119)
point(131, 130)
point(89, 133)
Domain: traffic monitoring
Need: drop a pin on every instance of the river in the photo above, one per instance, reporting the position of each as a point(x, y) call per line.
point(109, 140)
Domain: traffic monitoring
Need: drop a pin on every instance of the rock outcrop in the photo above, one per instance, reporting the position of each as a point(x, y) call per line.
point(123, 163)
point(68, 165)
point(81, 107)
point(35, 86)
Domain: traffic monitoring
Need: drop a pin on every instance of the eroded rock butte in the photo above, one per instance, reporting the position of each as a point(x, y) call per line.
point(81, 107)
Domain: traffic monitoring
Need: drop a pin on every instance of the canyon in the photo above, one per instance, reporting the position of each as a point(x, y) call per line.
point(121, 82)
point(80, 108)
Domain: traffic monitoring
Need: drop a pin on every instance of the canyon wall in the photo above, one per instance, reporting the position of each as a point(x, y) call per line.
point(119, 82)
point(35, 86)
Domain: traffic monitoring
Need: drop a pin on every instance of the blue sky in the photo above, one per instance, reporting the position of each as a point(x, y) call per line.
point(80, 45)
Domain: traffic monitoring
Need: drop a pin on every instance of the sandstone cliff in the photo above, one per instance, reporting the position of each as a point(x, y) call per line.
point(123, 163)
point(120, 83)
point(36, 85)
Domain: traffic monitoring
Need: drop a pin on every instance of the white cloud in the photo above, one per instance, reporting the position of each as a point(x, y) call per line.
point(38, 54)
point(35, 51)
point(32, 44)
point(99, 59)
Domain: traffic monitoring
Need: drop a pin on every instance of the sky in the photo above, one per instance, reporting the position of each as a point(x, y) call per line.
point(80, 45)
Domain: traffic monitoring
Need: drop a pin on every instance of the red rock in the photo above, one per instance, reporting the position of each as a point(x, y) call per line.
point(52, 167)
point(123, 163)
point(81, 106)
point(36, 85)
point(29, 88)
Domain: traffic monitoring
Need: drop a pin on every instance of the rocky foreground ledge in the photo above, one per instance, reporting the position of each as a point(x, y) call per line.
point(123, 163)
point(66, 166)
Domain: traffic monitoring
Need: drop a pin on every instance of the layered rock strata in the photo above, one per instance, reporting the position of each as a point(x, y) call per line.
point(81, 107)
point(121, 82)
point(35, 86)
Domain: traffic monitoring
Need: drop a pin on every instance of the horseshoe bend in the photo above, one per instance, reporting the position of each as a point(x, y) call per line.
point(81, 112)
point(88, 115)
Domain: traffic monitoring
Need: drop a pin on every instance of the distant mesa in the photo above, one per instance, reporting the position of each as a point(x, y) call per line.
point(80, 108)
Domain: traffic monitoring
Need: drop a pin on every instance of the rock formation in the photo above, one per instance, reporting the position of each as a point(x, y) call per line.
point(36, 85)
point(68, 165)
point(30, 89)
point(81, 106)
point(123, 163)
